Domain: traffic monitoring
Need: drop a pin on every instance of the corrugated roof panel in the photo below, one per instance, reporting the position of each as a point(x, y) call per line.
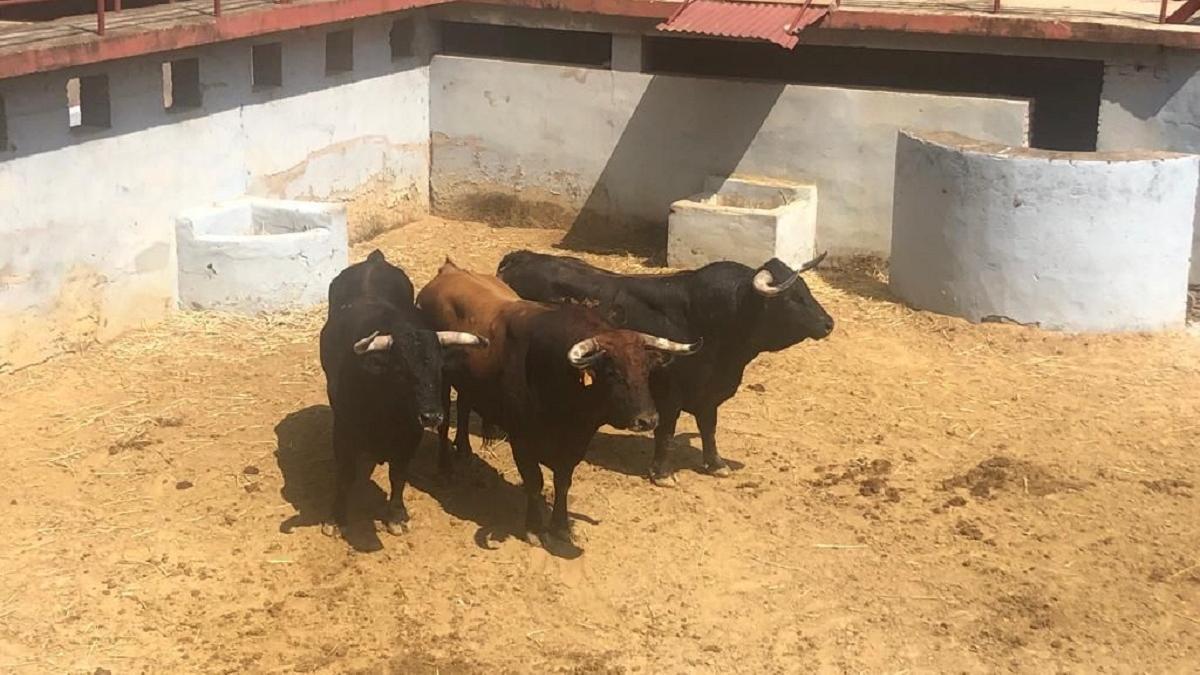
point(777, 23)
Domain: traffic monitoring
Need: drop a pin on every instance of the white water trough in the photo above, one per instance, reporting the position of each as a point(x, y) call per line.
point(744, 219)
point(257, 255)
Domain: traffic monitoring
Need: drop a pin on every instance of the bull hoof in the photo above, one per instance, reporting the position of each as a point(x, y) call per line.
point(330, 530)
point(396, 527)
point(721, 470)
point(665, 480)
point(560, 543)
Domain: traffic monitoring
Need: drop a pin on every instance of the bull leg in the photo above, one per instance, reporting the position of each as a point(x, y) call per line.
point(531, 479)
point(343, 457)
point(355, 470)
point(664, 433)
point(560, 523)
point(706, 420)
point(462, 433)
point(396, 520)
point(445, 465)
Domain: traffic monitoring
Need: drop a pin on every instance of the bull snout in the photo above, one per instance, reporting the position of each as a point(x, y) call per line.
point(827, 326)
point(644, 422)
point(431, 420)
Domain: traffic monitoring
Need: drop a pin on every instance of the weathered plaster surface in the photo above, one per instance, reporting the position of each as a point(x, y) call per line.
point(1067, 241)
point(259, 255)
point(86, 222)
point(1152, 102)
point(614, 149)
point(745, 219)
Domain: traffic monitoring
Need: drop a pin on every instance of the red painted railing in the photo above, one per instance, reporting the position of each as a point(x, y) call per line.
point(101, 9)
point(1186, 11)
point(1181, 15)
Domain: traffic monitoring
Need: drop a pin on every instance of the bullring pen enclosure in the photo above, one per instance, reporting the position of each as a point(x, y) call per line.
point(914, 493)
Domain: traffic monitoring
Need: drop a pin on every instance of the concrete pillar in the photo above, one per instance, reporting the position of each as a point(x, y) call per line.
point(627, 53)
point(427, 40)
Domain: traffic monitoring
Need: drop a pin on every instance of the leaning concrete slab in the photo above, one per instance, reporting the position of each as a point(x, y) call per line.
point(1067, 241)
point(256, 255)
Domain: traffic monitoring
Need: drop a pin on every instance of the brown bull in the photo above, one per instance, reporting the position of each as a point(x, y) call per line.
point(551, 375)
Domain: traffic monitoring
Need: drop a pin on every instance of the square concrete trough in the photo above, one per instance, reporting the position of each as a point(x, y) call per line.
point(744, 219)
point(257, 255)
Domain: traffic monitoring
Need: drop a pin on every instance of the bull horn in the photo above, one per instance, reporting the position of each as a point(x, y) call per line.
point(584, 353)
point(764, 283)
point(373, 343)
point(812, 264)
point(665, 345)
point(450, 338)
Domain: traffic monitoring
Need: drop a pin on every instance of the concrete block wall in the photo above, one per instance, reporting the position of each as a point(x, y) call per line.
point(599, 151)
point(86, 221)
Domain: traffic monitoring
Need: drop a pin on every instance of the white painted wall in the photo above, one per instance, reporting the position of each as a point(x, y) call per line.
point(1152, 101)
point(86, 222)
point(1068, 241)
point(562, 146)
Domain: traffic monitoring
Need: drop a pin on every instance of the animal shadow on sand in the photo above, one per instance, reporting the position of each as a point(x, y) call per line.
point(631, 454)
point(475, 492)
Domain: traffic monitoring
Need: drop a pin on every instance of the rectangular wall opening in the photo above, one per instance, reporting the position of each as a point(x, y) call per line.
point(339, 51)
point(267, 65)
point(1065, 93)
point(181, 84)
point(401, 38)
point(88, 105)
point(567, 47)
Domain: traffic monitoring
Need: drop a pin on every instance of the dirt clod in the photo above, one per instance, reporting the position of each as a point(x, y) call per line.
point(1003, 473)
point(969, 529)
point(183, 485)
point(1175, 487)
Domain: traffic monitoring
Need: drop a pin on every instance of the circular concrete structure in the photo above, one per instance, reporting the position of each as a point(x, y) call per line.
point(1065, 241)
point(256, 255)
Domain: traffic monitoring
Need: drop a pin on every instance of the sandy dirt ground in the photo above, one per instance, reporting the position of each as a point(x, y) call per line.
point(914, 494)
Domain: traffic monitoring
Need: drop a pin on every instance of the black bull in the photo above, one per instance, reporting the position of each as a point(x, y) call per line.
point(737, 311)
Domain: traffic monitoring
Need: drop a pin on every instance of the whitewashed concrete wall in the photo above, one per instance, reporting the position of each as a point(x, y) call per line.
point(86, 219)
point(1067, 241)
point(524, 143)
point(1151, 101)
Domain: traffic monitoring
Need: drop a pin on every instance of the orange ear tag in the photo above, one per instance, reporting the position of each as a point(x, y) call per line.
point(585, 376)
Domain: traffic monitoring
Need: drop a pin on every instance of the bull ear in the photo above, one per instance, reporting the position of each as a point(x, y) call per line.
point(660, 359)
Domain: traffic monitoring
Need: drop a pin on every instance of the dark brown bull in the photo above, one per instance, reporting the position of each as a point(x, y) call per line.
point(551, 375)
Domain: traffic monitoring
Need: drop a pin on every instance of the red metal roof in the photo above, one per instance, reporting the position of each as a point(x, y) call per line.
point(772, 22)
